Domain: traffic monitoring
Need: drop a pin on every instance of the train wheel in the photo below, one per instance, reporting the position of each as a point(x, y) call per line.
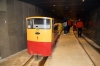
point(49, 57)
point(37, 57)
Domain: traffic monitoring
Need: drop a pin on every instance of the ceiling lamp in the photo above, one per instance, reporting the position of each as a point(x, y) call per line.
point(53, 5)
point(66, 7)
point(70, 11)
point(82, 9)
point(82, 0)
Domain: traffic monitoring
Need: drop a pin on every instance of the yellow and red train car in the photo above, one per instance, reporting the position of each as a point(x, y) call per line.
point(41, 35)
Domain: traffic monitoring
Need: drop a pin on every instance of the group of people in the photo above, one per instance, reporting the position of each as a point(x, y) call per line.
point(67, 24)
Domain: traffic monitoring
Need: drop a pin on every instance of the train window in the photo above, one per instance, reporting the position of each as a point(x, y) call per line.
point(38, 21)
point(29, 23)
point(41, 23)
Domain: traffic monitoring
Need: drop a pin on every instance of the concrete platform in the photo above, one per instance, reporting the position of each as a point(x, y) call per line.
point(17, 59)
point(69, 52)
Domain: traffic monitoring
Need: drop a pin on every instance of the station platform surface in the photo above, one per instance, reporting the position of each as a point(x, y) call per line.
point(67, 52)
point(17, 59)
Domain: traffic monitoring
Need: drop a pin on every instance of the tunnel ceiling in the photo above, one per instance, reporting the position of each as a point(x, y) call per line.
point(68, 8)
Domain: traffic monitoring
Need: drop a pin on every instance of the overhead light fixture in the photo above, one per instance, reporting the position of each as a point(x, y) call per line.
point(53, 5)
point(83, 0)
point(66, 7)
point(70, 11)
point(52, 10)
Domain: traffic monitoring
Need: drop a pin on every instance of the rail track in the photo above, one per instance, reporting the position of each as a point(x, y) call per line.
point(35, 61)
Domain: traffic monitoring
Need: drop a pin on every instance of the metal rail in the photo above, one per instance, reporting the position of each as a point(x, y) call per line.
point(27, 62)
point(40, 63)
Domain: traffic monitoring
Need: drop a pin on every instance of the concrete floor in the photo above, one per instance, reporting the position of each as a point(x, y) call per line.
point(69, 52)
point(17, 59)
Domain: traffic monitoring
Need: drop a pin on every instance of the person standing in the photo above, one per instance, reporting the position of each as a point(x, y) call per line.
point(79, 26)
point(69, 24)
point(65, 25)
point(74, 26)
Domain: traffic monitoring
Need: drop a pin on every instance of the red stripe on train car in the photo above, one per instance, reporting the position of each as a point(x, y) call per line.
point(42, 48)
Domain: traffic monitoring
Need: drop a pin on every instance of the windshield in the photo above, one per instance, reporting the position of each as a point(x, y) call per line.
point(38, 23)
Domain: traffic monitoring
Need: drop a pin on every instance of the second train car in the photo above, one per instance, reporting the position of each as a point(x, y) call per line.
point(41, 35)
